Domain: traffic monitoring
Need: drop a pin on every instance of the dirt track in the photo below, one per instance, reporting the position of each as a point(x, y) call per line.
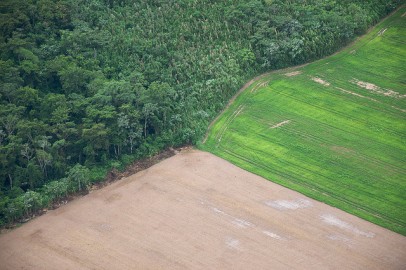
point(197, 211)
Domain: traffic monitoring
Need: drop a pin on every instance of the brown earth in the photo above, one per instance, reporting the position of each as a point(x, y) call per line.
point(197, 211)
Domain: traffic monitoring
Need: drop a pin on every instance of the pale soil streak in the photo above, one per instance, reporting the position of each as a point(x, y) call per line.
point(376, 89)
point(281, 124)
point(289, 205)
point(242, 223)
point(228, 122)
point(320, 81)
point(273, 235)
point(258, 86)
point(355, 94)
point(294, 73)
point(158, 221)
point(380, 33)
point(369, 98)
point(402, 110)
point(334, 221)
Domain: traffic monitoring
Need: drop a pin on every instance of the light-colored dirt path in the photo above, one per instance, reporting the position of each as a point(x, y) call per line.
point(197, 211)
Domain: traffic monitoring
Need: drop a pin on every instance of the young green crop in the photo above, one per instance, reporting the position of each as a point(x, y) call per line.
point(333, 130)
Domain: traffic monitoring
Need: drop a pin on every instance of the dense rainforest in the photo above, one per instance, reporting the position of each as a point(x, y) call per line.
point(91, 85)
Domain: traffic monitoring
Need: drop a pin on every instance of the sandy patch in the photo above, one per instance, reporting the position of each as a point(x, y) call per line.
point(293, 73)
point(391, 93)
point(376, 89)
point(366, 85)
point(221, 222)
point(232, 243)
point(320, 81)
point(289, 205)
point(334, 221)
point(241, 223)
point(273, 235)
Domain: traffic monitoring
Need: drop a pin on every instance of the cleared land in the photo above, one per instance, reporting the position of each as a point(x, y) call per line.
point(197, 211)
point(334, 130)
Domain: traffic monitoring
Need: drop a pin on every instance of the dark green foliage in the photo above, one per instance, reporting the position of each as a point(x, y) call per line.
point(56, 190)
point(78, 178)
point(90, 81)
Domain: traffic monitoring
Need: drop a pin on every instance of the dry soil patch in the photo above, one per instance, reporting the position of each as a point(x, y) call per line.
point(197, 211)
point(293, 73)
point(320, 81)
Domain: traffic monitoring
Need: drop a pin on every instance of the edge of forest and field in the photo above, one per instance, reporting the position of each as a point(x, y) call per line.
point(112, 176)
point(261, 76)
point(90, 91)
point(393, 222)
point(116, 173)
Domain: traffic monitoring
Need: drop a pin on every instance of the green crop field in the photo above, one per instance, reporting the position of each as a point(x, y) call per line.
point(333, 130)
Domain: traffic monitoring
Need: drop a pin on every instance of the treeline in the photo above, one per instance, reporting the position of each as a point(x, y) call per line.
point(88, 85)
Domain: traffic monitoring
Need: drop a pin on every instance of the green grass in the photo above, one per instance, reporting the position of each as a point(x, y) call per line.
point(343, 144)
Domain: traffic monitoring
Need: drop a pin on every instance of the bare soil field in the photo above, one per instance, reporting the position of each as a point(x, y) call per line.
point(197, 211)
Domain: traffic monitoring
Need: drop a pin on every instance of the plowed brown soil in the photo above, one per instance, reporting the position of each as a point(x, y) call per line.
point(197, 211)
